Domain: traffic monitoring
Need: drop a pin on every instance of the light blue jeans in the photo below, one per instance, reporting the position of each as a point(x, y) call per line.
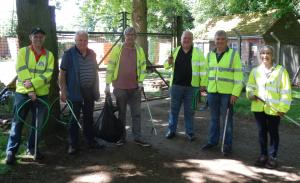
point(182, 94)
point(218, 105)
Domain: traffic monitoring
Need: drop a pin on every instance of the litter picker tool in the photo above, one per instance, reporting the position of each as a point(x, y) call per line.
point(36, 132)
point(225, 127)
point(72, 112)
point(153, 129)
point(275, 109)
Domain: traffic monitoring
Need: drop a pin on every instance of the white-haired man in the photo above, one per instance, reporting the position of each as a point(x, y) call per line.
point(79, 83)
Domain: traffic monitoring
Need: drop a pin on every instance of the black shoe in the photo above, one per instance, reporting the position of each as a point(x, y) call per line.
point(96, 145)
point(272, 163)
point(142, 143)
point(191, 137)
point(170, 135)
point(226, 150)
point(39, 155)
point(261, 161)
point(226, 153)
point(10, 158)
point(207, 146)
point(120, 142)
point(72, 150)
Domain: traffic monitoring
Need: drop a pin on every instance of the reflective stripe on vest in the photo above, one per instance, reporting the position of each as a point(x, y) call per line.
point(229, 69)
point(26, 66)
point(270, 88)
point(27, 60)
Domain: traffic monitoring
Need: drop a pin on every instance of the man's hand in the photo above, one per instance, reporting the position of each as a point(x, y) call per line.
point(107, 89)
point(27, 84)
point(32, 95)
point(233, 99)
point(281, 114)
point(202, 88)
point(253, 97)
point(63, 96)
point(141, 86)
point(170, 60)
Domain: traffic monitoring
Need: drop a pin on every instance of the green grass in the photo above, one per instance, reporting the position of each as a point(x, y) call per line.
point(4, 169)
point(3, 140)
point(243, 106)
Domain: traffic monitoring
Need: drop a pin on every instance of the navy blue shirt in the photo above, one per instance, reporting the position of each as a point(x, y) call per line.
point(71, 64)
point(220, 56)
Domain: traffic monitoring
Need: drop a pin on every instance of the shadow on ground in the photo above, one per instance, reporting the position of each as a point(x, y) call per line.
point(175, 160)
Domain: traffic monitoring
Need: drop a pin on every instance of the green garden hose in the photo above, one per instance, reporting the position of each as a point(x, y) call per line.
point(28, 125)
point(49, 109)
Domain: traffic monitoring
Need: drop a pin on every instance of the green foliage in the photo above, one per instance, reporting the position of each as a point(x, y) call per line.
point(204, 9)
point(105, 14)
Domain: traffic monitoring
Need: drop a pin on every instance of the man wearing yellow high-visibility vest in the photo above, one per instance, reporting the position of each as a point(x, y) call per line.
point(34, 68)
point(224, 86)
point(126, 71)
point(188, 76)
point(269, 89)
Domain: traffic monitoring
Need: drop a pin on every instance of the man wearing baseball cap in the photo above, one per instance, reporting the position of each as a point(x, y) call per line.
point(34, 69)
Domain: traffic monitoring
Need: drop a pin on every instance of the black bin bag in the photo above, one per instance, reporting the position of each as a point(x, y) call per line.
point(108, 126)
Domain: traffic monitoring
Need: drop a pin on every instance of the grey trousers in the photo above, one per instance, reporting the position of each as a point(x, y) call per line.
point(132, 97)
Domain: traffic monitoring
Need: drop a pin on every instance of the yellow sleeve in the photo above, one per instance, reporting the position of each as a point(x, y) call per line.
point(285, 92)
point(22, 69)
point(203, 70)
point(112, 63)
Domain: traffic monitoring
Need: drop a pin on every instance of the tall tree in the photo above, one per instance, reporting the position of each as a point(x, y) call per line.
point(104, 14)
point(139, 21)
point(37, 13)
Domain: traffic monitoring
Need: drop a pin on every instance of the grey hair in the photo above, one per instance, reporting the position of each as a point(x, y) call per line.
point(129, 30)
point(221, 33)
point(186, 32)
point(267, 47)
point(81, 32)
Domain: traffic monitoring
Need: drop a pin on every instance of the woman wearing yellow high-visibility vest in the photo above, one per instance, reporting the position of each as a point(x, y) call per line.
point(269, 88)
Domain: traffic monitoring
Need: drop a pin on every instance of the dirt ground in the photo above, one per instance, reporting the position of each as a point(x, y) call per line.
point(168, 161)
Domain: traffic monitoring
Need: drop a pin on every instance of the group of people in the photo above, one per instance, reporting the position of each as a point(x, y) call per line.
point(220, 74)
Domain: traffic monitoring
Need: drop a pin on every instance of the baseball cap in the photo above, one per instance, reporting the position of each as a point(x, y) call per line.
point(37, 30)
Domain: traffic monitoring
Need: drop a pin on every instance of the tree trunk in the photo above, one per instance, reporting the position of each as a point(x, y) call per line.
point(37, 13)
point(139, 22)
point(179, 29)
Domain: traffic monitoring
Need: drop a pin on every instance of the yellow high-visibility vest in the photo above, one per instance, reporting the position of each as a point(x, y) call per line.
point(225, 76)
point(199, 70)
point(39, 73)
point(275, 90)
point(114, 62)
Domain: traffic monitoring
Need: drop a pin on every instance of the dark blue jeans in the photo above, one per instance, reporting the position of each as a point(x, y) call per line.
point(182, 94)
point(14, 139)
point(218, 104)
point(87, 107)
point(268, 124)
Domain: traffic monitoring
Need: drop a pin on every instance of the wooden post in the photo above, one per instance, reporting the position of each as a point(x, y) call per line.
point(179, 29)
